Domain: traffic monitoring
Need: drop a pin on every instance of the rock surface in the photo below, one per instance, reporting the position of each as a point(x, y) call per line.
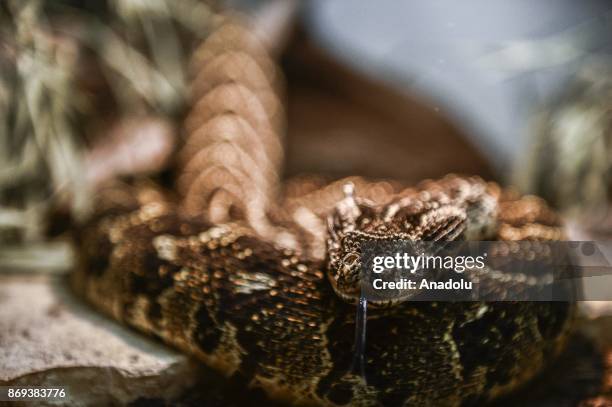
point(50, 338)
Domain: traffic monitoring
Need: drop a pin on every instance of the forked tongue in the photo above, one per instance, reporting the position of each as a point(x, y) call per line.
point(359, 364)
point(349, 211)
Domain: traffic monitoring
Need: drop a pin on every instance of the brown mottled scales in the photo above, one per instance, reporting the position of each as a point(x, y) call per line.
point(246, 306)
point(261, 285)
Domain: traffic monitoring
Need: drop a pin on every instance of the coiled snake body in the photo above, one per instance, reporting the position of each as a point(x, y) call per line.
point(262, 287)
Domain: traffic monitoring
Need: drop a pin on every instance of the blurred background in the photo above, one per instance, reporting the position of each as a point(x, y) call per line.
point(518, 92)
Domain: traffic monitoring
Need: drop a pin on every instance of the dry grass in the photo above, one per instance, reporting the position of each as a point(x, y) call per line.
point(140, 50)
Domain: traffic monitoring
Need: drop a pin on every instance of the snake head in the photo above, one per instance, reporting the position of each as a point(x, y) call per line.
point(452, 209)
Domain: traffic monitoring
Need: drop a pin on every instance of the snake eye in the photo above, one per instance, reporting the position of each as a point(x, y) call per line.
point(350, 259)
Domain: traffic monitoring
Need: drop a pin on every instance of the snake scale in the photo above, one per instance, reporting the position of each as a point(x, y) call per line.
point(253, 277)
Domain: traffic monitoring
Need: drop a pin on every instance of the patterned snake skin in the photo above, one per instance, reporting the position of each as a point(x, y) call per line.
point(252, 284)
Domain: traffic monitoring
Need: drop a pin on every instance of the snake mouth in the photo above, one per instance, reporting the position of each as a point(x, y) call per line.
point(352, 295)
point(372, 303)
point(348, 297)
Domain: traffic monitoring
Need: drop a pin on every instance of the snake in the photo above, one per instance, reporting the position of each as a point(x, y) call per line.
point(258, 278)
